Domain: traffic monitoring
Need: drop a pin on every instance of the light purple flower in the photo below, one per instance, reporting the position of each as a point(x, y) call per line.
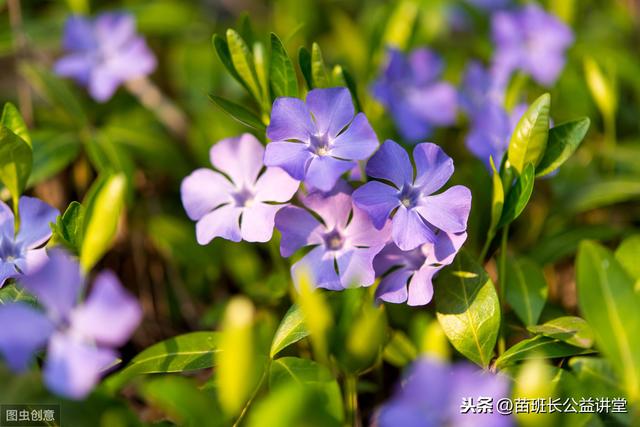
point(410, 88)
point(531, 40)
point(20, 252)
point(419, 213)
point(238, 202)
point(480, 88)
point(318, 140)
point(432, 392)
point(345, 242)
point(81, 337)
point(411, 272)
point(103, 53)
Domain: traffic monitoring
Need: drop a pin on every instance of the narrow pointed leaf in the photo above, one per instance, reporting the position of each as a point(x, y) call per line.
point(16, 160)
point(12, 120)
point(570, 329)
point(243, 63)
point(304, 60)
point(526, 289)
point(292, 329)
point(222, 49)
point(529, 139)
point(497, 200)
point(563, 142)
point(239, 113)
point(318, 68)
point(518, 196)
point(538, 348)
point(281, 72)
point(68, 227)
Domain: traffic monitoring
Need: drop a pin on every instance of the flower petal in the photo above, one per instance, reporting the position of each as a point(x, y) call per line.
point(7, 271)
point(421, 286)
point(275, 185)
point(257, 222)
point(446, 247)
point(24, 330)
point(223, 222)
point(298, 227)
point(240, 158)
point(355, 266)
point(332, 109)
point(325, 171)
point(448, 211)
point(78, 34)
point(35, 216)
point(393, 287)
point(76, 66)
point(6, 221)
point(391, 162)
point(109, 315)
point(433, 167)
point(333, 207)
point(358, 142)
point(409, 230)
point(204, 190)
point(103, 84)
point(318, 268)
point(436, 104)
point(293, 157)
point(377, 200)
point(290, 119)
point(361, 232)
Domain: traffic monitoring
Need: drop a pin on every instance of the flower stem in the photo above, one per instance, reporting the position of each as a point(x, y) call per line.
point(502, 275)
point(351, 400)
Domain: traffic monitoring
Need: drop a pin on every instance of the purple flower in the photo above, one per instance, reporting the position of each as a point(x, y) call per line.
point(81, 337)
point(238, 202)
point(489, 4)
point(318, 140)
point(104, 53)
point(345, 242)
point(419, 213)
point(20, 252)
point(531, 40)
point(479, 88)
point(432, 393)
point(410, 89)
point(411, 272)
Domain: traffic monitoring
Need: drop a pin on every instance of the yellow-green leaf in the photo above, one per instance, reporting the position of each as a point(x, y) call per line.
point(529, 139)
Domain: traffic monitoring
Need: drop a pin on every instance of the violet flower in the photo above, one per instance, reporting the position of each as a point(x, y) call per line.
point(531, 40)
point(410, 88)
point(103, 53)
point(432, 393)
point(318, 140)
point(238, 202)
point(411, 272)
point(21, 252)
point(419, 213)
point(345, 242)
point(80, 338)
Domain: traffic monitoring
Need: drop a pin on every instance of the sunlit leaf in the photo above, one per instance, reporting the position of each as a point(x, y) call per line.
point(570, 329)
point(529, 139)
point(526, 289)
point(292, 329)
point(243, 63)
point(562, 143)
point(12, 120)
point(628, 255)
point(518, 196)
point(539, 347)
point(16, 160)
point(69, 226)
point(281, 72)
point(318, 68)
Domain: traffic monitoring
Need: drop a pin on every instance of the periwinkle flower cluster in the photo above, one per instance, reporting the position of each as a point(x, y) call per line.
point(352, 236)
point(104, 53)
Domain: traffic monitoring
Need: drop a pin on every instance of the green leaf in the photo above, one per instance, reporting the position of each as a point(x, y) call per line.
point(308, 374)
point(538, 348)
point(529, 139)
point(400, 351)
point(222, 49)
point(518, 196)
point(468, 308)
point(11, 293)
point(188, 352)
point(243, 63)
point(101, 218)
point(526, 289)
point(570, 329)
point(497, 201)
point(68, 227)
point(282, 74)
point(609, 304)
point(16, 160)
point(52, 152)
point(605, 192)
point(602, 87)
point(318, 69)
point(627, 255)
point(239, 113)
point(304, 60)
point(563, 142)
point(597, 376)
point(12, 120)
point(292, 329)
point(350, 83)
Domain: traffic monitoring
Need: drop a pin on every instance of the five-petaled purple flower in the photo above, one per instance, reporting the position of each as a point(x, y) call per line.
point(434, 394)
point(531, 40)
point(237, 203)
point(19, 253)
point(104, 53)
point(410, 89)
point(81, 337)
point(345, 241)
point(419, 213)
point(318, 140)
point(411, 272)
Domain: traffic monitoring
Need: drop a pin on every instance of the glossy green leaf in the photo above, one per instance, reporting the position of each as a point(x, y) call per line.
point(292, 329)
point(497, 201)
point(281, 72)
point(605, 192)
point(239, 113)
point(529, 139)
point(628, 255)
point(468, 308)
point(68, 227)
point(526, 289)
point(602, 87)
point(570, 329)
point(222, 49)
point(609, 304)
point(348, 81)
point(188, 352)
point(308, 374)
point(563, 142)
point(243, 63)
point(538, 348)
point(12, 120)
point(318, 68)
point(101, 218)
point(400, 350)
point(261, 67)
point(304, 60)
point(518, 197)
point(16, 160)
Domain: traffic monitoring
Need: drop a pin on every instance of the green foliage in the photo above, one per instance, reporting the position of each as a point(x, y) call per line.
point(291, 330)
point(518, 196)
point(69, 227)
point(563, 141)
point(16, 160)
point(526, 289)
point(529, 139)
point(570, 329)
point(239, 113)
point(283, 76)
point(538, 347)
point(12, 120)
